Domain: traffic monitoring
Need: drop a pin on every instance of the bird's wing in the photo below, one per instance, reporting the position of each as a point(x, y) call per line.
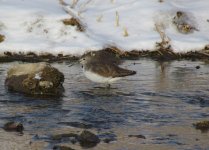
point(110, 70)
point(121, 72)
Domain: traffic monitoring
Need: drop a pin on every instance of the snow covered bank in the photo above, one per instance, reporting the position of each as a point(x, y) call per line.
point(37, 25)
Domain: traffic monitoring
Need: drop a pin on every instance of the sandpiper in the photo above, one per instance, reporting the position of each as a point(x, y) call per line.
point(101, 70)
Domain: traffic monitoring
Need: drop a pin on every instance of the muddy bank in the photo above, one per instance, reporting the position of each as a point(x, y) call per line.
point(32, 57)
point(159, 54)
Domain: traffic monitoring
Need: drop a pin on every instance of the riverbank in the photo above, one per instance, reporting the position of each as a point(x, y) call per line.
point(161, 55)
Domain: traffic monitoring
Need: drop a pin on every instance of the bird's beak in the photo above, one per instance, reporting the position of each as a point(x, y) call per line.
point(74, 63)
point(81, 61)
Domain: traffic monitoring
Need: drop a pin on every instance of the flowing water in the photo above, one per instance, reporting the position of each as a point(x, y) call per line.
point(160, 102)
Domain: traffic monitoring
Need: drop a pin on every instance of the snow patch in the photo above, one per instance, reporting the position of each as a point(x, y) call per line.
point(36, 25)
point(38, 76)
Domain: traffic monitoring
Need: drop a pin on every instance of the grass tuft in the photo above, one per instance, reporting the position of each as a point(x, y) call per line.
point(125, 32)
point(74, 22)
point(117, 24)
point(2, 38)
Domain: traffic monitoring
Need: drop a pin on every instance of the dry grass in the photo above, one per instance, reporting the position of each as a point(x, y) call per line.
point(117, 24)
point(125, 32)
point(165, 40)
point(2, 38)
point(184, 23)
point(62, 2)
point(163, 48)
point(74, 3)
point(75, 16)
point(99, 18)
point(160, 54)
point(74, 22)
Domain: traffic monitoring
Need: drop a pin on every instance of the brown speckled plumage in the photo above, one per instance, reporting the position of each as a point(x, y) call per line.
point(108, 69)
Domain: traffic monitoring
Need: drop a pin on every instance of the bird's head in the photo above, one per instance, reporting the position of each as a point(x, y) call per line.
point(86, 58)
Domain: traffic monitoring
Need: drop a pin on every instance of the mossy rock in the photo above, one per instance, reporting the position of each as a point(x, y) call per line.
point(35, 79)
point(2, 38)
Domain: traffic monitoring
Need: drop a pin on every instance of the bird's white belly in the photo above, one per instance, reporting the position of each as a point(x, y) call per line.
point(100, 79)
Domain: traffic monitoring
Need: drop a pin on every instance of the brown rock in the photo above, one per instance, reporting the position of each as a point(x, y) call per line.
point(13, 126)
point(35, 79)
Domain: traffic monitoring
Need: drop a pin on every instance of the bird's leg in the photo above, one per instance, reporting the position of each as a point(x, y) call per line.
point(108, 86)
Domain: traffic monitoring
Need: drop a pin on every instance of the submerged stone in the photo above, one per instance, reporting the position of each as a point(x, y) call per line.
point(35, 79)
point(64, 135)
point(13, 126)
point(88, 139)
point(60, 147)
point(202, 125)
point(77, 125)
point(108, 137)
point(197, 67)
point(138, 136)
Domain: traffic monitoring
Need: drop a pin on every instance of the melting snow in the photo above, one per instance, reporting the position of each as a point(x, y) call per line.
point(36, 25)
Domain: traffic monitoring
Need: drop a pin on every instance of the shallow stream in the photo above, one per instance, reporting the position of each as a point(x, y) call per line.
point(160, 102)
